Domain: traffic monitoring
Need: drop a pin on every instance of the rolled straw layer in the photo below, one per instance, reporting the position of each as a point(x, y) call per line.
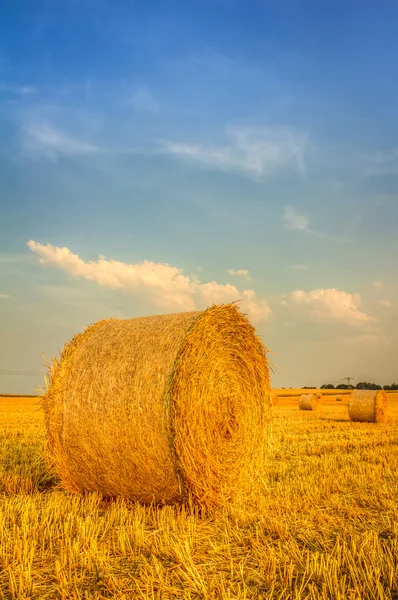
point(309, 402)
point(368, 406)
point(155, 407)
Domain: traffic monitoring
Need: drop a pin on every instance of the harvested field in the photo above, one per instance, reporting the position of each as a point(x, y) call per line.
point(323, 524)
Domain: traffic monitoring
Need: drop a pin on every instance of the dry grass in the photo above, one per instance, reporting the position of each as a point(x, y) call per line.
point(323, 525)
point(157, 408)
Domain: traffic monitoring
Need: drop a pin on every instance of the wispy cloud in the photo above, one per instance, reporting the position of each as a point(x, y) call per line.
point(3, 296)
point(385, 303)
point(292, 219)
point(239, 273)
point(164, 285)
point(383, 162)
point(365, 339)
point(378, 284)
point(330, 304)
point(44, 139)
point(144, 101)
point(254, 151)
point(17, 90)
point(300, 267)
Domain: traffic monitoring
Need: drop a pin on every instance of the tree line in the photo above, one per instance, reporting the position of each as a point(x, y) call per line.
point(362, 385)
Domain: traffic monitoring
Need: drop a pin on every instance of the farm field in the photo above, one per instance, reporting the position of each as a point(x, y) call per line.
point(323, 525)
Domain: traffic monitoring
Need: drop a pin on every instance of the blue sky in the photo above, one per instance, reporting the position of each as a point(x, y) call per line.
point(157, 157)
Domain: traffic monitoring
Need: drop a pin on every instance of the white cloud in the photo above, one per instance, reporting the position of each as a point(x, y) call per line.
point(5, 296)
point(143, 100)
point(258, 309)
point(385, 303)
point(255, 151)
point(239, 273)
point(294, 220)
point(166, 286)
point(300, 267)
point(378, 284)
point(331, 304)
point(43, 139)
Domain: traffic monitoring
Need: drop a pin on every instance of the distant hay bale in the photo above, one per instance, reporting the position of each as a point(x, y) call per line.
point(339, 397)
point(155, 408)
point(309, 402)
point(368, 406)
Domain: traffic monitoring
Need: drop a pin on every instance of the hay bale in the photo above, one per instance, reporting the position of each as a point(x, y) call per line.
point(274, 399)
point(155, 408)
point(368, 406)
point(339, 398)
point(309, 402)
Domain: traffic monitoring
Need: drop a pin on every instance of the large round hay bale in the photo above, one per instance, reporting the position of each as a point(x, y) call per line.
point(309, 402)
point(368, 406)
point(156, 407)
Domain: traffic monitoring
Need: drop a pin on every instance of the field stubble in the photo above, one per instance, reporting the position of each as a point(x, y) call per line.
point(323, 526)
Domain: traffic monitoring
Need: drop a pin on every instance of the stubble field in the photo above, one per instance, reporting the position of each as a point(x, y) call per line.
point(323, 525)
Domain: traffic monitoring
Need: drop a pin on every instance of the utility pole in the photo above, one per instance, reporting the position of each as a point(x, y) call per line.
point(348, 380)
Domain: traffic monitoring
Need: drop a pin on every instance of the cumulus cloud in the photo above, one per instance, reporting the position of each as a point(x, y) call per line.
point(254, 151)
point(330, 304)
point(239, 273)
point(43, 139)
point(385, 303)
point(166, 286)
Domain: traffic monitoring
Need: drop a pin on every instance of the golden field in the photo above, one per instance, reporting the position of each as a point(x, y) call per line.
point(323, 525)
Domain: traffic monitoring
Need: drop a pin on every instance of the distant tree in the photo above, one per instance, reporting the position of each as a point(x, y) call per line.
point(342, 386)
point(393, 386)
point(364, 385)
point(327, 386)
point(308, 387)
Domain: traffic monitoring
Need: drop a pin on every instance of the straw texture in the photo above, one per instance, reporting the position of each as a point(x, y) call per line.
point(339, 398)
point(274, 399)
point(155, 407)
point(368, 406)
point(309, 402)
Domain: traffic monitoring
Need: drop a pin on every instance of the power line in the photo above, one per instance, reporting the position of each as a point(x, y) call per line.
point(19, 373)
point(348, 380)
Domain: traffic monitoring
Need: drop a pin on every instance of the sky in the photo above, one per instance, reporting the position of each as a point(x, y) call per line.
point(158, 157)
